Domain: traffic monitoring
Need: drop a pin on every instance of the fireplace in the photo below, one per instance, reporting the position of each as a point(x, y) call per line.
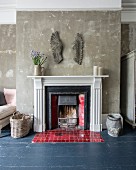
point(68, 112)
point(67, 106)
point(93, 114)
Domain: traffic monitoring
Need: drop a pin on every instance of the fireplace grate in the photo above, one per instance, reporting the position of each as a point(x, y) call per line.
point(67, 122)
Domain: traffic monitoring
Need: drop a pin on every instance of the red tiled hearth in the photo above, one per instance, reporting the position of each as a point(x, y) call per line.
point(62, 135)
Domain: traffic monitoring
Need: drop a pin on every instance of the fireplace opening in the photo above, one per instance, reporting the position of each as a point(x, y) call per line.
point(67, 111)
point(68, 107)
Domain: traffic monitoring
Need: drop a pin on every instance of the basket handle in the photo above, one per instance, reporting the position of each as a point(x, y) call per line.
point(23, 117)
point(17, 112)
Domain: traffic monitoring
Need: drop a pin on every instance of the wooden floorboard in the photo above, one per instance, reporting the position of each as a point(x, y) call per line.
point(113, 154)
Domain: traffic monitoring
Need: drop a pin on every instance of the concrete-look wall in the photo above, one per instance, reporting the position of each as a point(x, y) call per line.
point(7, 56)
point(128, 38)
point(101, 34)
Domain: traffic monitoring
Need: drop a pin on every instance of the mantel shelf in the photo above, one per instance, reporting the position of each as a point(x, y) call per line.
point(89, 76)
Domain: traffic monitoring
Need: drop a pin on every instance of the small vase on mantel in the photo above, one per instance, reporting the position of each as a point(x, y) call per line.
point(37, 70)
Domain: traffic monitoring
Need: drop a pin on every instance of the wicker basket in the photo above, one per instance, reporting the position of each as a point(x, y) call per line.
point(20, 125)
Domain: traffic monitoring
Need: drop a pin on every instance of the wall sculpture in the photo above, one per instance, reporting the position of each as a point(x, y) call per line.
point(77, 47)
point(57, 47)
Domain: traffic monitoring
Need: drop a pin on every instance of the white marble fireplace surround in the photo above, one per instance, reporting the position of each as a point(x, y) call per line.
point(95, 83)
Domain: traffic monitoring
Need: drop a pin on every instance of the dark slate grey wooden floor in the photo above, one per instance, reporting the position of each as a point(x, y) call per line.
point(114, 154)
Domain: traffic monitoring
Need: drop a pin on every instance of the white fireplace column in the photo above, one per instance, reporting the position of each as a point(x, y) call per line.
point(95, 83)
point(96, 105)
point(39, 108)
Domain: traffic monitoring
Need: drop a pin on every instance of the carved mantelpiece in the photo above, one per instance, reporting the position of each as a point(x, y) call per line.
point(95, 83)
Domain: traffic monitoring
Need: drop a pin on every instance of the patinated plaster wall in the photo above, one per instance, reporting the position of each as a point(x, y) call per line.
point(101, 33)
point(7, 56)
point(128, 38)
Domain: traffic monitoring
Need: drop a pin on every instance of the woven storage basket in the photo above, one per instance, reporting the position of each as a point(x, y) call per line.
point(20, 125)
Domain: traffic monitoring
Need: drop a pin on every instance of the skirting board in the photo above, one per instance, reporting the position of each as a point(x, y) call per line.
point(104, 118)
